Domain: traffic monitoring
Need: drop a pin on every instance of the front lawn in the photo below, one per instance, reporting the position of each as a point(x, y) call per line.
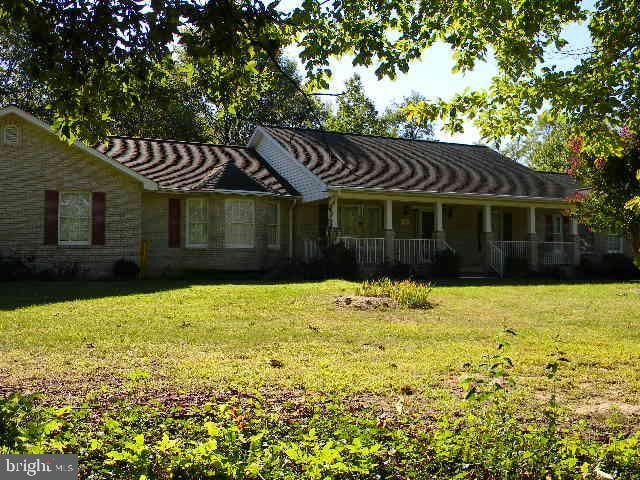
point(182, 336)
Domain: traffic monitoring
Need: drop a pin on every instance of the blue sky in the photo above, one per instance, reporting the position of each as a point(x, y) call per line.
point(432, 77)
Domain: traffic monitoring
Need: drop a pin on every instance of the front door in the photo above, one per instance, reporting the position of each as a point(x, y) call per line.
point(427, 224)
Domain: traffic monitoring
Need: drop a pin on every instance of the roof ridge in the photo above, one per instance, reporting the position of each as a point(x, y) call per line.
point(550, 172)
point(187, 142)
point(219, 170)
point(334, 132)
point(215, 171)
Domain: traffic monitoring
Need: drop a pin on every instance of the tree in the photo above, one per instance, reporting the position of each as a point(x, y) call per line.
point(545, 147)
point(610, 204)
point(16, 86)
point(271, 98)
point(175, 104)
point(95, 57)
point(356, 113)
point(411, 128)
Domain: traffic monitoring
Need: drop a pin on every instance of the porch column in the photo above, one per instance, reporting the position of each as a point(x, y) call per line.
point(532, 237)
point(389, 234)
point(439, 222)
point(334, 228)
point(487, 233)
point(574, 237)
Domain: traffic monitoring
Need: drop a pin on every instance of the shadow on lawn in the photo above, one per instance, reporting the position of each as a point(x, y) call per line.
point(21, 294)
point(14, 295)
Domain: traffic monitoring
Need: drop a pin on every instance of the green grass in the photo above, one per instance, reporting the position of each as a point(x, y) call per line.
point(218, 336)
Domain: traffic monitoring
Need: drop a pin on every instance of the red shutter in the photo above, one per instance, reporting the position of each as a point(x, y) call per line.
point(548, 228)
point(174, 222)
point(50, 217)
point(98, 209)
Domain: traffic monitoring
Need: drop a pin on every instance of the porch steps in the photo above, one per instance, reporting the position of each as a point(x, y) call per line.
point(476, 276)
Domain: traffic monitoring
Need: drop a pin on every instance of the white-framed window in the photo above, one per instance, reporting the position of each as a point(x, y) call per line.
point(10, 135)
point(614, 243)
point(74, 218)
point(197, 223)
point(360, 219)
point(273, 225)
point(240, 228)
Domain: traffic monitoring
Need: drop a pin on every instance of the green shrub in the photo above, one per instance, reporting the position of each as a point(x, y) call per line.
point(446, 264)
point(336, 261)
point(15, 268)
point(516, 267)
point(407, 293)
point(124, 269)
point(317, 439)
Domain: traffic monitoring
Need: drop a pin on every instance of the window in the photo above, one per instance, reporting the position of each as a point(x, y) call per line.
point(74, 218)
point(197, 223)
point(360, 219)
point(240, 223)
point(614, 243)
point(10, 135)
point(273, 225)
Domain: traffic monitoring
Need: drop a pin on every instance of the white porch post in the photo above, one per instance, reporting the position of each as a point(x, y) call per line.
point(532, 237)
point(439, 222)
point(487, 234)
point(486, 219)
point(334, 228)
point(389, 234)
point(575, 238)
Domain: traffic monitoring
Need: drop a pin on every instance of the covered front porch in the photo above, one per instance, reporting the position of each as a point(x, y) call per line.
point(485, 234)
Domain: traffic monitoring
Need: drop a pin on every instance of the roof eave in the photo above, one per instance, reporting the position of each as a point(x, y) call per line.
point(227, 191)
point(447, 194)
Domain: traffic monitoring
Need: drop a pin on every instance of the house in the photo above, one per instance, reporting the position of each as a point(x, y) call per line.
point(171, 205)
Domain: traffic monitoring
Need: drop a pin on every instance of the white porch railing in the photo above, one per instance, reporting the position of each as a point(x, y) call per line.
point(514, 249)
point(368, 251)
point(557, 253)
point(312, 249)
point(416, 251)
point(496, 258)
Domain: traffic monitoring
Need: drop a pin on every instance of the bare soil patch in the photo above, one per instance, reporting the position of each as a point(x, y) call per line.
point(365, 303)
point(600, 407)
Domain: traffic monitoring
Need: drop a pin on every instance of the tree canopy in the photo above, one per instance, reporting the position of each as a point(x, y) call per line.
point(97, 57)
point(545, 147)
point(610, 204)
point(355, 112)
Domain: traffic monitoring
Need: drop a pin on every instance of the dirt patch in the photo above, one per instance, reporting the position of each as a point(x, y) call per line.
point(365, 303)
point(605, 407)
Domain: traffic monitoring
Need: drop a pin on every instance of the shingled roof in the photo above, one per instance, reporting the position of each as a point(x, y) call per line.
point(196, 167)
point(393, 164)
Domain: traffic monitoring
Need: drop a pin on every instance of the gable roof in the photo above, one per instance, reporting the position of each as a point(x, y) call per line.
point(197, 167)
point(27, 117)
point(394, 164)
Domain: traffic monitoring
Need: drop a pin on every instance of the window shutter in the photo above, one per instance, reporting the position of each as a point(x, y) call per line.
point(98, 209)
point(565, 228)
point(548, 228)
point(174, 223)
point(51, 217)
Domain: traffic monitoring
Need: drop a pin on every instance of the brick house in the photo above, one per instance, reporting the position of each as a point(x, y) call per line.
point(172, 205)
